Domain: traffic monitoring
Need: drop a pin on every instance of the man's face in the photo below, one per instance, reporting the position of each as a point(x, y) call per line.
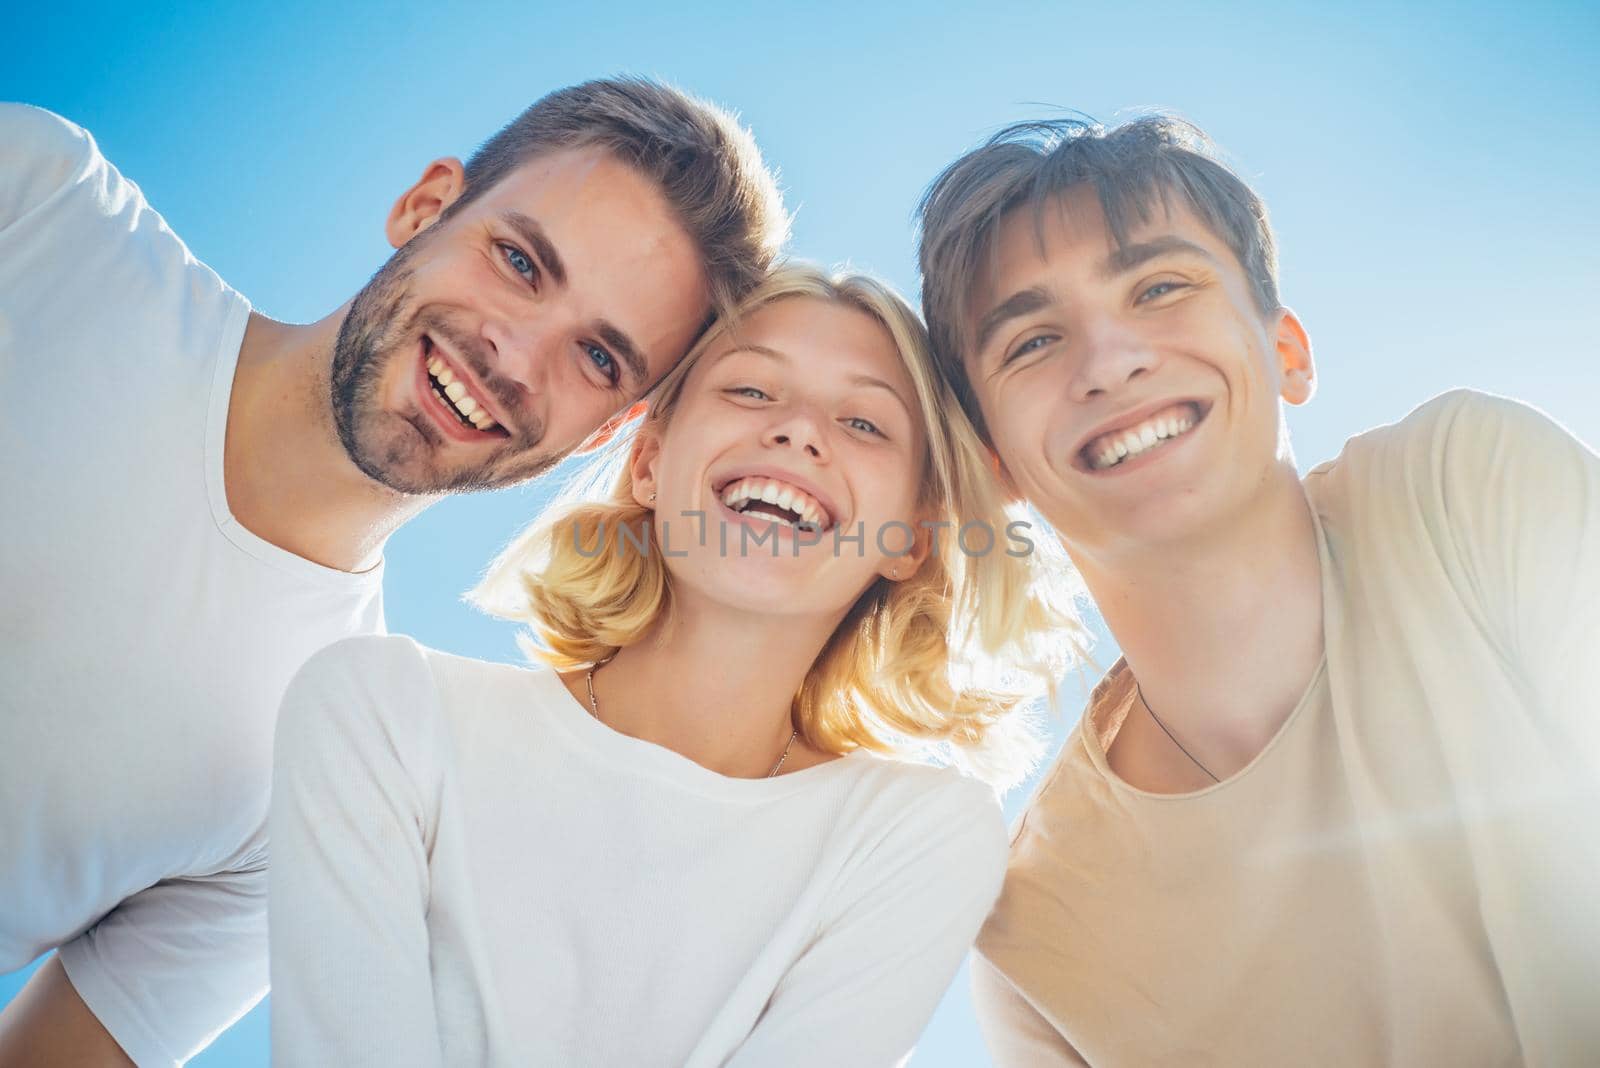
point(1132, 394)
point(498, 339)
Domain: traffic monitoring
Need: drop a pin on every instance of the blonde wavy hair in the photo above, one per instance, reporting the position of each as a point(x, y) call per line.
point(936, 664)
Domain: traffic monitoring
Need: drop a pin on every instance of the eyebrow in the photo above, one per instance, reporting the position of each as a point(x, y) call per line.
point(616, 339)
point(759, 350)
point(529, 230)
point(622, 346)
point(1022, 303)
point(1128, 257)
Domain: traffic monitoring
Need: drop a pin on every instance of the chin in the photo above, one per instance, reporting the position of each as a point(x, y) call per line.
point(394, 456)
point(762, 590)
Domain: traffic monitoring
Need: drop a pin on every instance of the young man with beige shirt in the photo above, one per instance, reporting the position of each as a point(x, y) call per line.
point(1336, 804)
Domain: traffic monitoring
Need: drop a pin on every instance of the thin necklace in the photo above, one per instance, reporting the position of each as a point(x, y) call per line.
point(594, 709)
point(1168, 733)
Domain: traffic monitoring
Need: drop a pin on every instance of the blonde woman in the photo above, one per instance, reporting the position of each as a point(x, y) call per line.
point(694, 837)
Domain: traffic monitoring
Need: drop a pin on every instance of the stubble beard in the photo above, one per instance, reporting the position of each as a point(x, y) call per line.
point(396, 450)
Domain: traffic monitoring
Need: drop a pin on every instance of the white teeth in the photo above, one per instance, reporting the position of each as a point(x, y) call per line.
point(454, 395)
point(776, 493)
point(1108, 452)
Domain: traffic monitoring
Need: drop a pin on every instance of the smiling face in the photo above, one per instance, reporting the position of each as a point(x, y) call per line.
point(1132, 393)
point(804, 414)
point(500, 338)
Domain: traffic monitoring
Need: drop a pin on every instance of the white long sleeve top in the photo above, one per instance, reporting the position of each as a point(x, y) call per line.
point(468, 868)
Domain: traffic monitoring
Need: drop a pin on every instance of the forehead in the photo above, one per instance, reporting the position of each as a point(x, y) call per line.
point(576, 181)
point(1067, 239)
point(820, 338)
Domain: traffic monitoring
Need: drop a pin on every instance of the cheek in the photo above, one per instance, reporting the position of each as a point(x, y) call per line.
point(1029, 421)
point(691, 443)
point(439, 271)
point(890, 490)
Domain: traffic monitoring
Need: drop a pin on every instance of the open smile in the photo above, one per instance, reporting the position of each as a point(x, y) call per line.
point(775, 498)
point(450, 398)
point(1141, 435)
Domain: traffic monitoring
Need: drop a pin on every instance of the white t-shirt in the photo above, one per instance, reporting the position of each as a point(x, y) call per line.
point(468, 868)
point(145, 636)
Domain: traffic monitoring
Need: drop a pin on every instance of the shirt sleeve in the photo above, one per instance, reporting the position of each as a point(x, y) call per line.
point(41, 155)
point(172, 967)
point(864, 989)
point(1522, 498)
point(1015, 1032)
point(354, 803)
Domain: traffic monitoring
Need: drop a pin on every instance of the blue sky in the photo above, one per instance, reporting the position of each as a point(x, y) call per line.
point(1429, 171)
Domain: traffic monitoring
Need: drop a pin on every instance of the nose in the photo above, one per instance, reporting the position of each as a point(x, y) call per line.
point(524, 350)
point(799, 427)
point(1114, 354)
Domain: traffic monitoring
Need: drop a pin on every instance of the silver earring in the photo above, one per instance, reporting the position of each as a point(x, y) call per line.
point(894, 572)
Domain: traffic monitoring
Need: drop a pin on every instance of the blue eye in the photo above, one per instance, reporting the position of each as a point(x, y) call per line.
point(749, 391)
point(863, 425)
point(520, 262)
point(604, 362)
point(1160, 289)
point(1033, 344)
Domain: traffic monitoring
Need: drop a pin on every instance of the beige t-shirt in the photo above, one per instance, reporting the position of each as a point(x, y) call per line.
point(1409, 873)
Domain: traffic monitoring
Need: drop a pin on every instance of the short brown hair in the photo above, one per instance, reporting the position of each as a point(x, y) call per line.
point(1132, 168)
point(705, 164)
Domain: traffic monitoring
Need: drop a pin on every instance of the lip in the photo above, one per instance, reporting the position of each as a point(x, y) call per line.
point(1129, 419)
point(723, 480)
point(444, 417)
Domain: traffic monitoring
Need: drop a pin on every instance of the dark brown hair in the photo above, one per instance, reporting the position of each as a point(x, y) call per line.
point(1133, 168)
point(705, 164)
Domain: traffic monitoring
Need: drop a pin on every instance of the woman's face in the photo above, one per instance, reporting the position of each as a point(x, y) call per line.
point(787, 479)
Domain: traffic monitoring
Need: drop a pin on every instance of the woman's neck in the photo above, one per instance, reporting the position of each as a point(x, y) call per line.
point(713, 684)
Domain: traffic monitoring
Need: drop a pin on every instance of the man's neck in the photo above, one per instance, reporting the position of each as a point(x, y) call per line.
point(1223, 631)
point(288, 477)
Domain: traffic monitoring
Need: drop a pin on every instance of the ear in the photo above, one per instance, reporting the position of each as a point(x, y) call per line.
point(900, 568)
point(420, 206)
point(609, 429)
point(642, 466)
point(1295, 364)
